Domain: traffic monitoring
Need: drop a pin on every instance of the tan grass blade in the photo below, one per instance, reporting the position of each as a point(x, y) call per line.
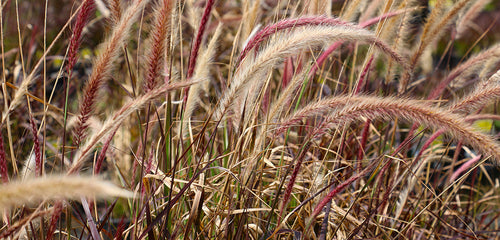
point(55, 188)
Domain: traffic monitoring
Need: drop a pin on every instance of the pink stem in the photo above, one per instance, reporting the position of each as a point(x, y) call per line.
point(3, 162)
point(464, 167)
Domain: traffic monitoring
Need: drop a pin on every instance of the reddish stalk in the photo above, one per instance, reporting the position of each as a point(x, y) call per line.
point(427, 144)
point(362, 144)
point(199, 37)
point(3, 162)
point(293, 177)
point(103, 67)
point(363, 76)
point(58, 207)
point(102, 155)
point(339, 188)
point(464, 168)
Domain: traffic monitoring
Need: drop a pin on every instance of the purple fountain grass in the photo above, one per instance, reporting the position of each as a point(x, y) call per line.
point(103, 67)
point(33, 190)
point(434, 30)
point(36, 148)
point(476, 117)
point(56, 214)
point(411, 110)
point(305, 21)
point(493, 52)
point(197, 43)
point(299, 39)
point(287, 24)
point(160, 39)
point(414, 111)
point(4, 172)
point(484, 92)
point(476, 100)
point(318, 108)
point(273, 114)
point(466, 20)
point(84, 15)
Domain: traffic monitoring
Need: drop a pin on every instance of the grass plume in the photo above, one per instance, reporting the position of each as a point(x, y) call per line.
point(103, 67)
point(56, 187)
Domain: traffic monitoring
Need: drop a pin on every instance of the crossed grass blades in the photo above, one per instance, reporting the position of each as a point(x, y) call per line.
point(249, 119)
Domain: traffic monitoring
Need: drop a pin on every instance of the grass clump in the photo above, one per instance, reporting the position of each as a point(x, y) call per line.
point(248, 119)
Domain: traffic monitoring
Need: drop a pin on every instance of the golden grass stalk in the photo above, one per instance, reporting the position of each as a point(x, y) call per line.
point(56, 187)
point(252, 72)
